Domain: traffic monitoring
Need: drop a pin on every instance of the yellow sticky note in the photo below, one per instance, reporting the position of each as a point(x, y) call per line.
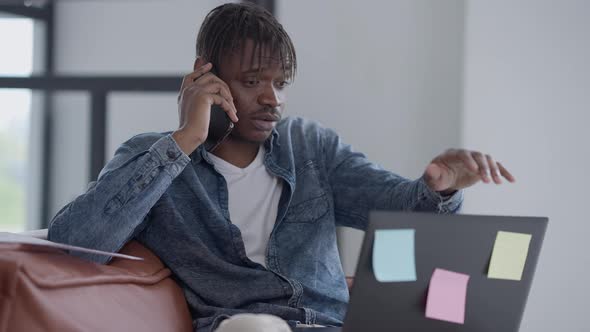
point(509, 255)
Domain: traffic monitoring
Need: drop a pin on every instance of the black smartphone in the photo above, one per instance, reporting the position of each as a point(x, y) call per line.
point(220, 126)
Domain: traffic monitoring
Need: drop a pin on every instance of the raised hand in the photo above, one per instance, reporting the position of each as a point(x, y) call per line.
point(200, 89)
point(457, 169)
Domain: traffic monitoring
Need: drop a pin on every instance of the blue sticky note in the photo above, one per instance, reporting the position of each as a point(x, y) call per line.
point(394, 255)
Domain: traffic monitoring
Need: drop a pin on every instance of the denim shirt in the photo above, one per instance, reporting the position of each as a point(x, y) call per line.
point(177, 206)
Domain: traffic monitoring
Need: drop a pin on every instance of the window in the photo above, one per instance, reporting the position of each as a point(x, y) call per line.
point(16, 59)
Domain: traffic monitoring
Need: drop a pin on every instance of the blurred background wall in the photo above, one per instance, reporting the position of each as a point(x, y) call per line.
point(401, 81)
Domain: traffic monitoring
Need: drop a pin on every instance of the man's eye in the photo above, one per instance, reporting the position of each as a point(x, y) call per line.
point(283, 84)
point(251, 82)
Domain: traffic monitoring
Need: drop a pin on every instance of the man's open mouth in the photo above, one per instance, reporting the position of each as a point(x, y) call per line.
point(263, 124)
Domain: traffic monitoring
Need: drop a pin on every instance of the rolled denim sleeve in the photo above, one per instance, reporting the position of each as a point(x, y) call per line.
point(114, 208)
point(359, 186)
point(444, 204)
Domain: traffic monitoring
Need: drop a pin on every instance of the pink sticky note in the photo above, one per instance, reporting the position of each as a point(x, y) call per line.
point(446, 296)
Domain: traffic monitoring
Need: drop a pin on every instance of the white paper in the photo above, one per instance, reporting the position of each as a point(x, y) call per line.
point(6, 237)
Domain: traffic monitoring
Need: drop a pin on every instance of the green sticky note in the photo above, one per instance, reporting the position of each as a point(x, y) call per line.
point(509, 255)
point(393, 255)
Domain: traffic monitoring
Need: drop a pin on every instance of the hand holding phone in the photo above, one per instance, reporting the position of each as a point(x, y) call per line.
point(201, 97)
point(220, 125)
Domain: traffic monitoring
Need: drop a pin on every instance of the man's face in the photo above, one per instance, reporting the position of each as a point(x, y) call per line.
point(258, 89)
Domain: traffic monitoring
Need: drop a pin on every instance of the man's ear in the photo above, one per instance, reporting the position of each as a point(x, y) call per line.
point(199, 62)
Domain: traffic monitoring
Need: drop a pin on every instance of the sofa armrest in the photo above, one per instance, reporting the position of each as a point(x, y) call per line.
point(47, 290)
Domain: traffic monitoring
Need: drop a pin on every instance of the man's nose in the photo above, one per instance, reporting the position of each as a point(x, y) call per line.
point(270, 97)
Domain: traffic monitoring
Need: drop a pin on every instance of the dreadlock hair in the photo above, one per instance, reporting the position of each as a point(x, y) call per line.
point(227, 27)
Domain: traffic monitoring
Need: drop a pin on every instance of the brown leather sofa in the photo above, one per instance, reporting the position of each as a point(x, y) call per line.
point(48, 290)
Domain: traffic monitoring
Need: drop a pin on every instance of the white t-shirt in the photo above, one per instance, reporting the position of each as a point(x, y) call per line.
point(254, 196)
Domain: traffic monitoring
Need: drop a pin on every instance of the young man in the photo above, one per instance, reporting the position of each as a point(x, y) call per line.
point(251, 226)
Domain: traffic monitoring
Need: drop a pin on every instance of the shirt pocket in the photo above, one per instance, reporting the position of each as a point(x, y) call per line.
point(310, 201)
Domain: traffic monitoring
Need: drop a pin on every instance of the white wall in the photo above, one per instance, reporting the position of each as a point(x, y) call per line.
point(386, 75)
point(128, 37)
point(527, 97)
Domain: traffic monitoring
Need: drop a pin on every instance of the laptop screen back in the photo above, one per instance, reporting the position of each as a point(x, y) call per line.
point(458, 243)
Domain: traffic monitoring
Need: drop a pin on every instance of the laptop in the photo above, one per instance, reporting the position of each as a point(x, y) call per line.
point(457, 243)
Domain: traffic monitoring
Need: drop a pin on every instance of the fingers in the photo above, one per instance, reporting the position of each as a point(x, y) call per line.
point(199, 62)
point(505, 173)
point(468, 160)
point(199, 72)
point(489, 167)
point(493, 169)
point(482, 166)
point(222, 90)
point(225, 104)
point(190, 78)
point(215, 88)
point(209, 79)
